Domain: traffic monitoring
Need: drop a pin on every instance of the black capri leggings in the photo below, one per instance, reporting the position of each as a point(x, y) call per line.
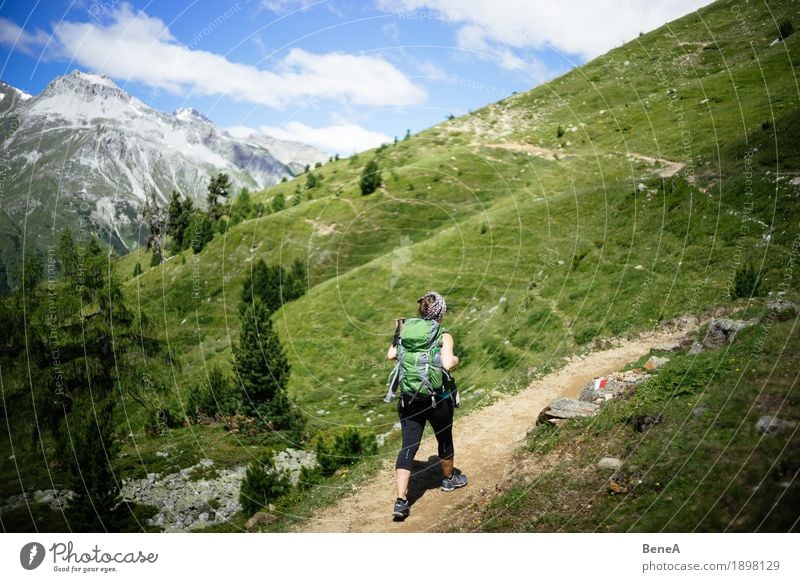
point(413, 415)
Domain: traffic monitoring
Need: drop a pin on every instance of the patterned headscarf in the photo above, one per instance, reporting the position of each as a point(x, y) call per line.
point(437, 308)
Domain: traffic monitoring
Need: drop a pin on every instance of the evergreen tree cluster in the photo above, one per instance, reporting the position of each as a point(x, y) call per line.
point(87, 350)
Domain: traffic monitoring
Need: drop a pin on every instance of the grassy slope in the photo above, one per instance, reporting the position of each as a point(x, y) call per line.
point(537, 257)
point(703, 467)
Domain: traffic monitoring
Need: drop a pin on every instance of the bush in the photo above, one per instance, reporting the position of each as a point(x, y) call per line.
point(309, 477)
point(786, 28)
point(213, 399)
point(262, 484)
point(560, 131)
point(746, 283)
point(137, 269)
point(199, 232)
point(348, 447)
point(160, 420)
point(370, 178)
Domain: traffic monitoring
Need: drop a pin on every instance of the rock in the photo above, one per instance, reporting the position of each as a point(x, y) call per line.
point(674, 346)
point(773, 425)
point(783, 309)
point(601, 389)
point(643, 422)
point(609, 463)
point(723, 330)
point(162, 454)
point(697, 348)
point(260, 518)
point(567, 408)
point(641, 187)
point(596, 389)
point(698, 411)
point(655, 362)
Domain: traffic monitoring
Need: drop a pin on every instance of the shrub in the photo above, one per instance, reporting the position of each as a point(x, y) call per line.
point(348, 447)
point(214, 398)
point(137, 269)
point(786, 28)
point(560, 131)
point(262, 484)
point(160, 420)
point(746, 282)
point(370, 178)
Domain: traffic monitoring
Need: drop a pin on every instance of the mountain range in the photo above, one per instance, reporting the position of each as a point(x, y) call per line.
point(84, 153)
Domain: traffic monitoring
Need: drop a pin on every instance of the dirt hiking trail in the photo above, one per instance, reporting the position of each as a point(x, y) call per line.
point(485, 443)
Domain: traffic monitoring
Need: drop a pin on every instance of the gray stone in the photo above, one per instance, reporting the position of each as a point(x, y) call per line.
point(783, 309)
point(698, 411)
point(609, 463)
point(567, 408)
point(259, 518)
point(723, 330)
point(655, 363)
point(773, 425)
point(697, 348)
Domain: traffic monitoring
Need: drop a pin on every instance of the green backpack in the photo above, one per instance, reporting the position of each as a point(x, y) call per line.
point(419, 360)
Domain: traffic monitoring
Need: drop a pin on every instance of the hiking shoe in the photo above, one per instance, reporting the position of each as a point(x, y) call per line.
point(401, 509)
point(454, 481)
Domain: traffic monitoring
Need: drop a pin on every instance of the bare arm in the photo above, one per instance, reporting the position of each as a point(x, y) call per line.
point(392, 353)
point(449, 360)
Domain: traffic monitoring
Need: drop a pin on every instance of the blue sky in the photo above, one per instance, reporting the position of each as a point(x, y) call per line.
point(342, 75)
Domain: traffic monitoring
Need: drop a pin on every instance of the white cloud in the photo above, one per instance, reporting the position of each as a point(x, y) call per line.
point(20, 39)
point(138, 48)
point(240, 131)
point(578, 27)
point(433, 71)
point(285, 6)
point(342, 138)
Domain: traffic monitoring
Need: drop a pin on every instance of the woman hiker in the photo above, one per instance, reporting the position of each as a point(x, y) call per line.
point(424, 349)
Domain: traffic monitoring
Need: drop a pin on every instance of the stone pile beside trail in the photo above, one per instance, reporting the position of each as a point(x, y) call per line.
point(200, 495)
point(600, 389)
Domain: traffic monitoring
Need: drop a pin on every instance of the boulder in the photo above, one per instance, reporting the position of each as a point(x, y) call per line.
point(697, 348)
point(723, 330)
point(567, 408)
point(783, 309)
point(259, 518)
point(609, 463)
point(675, 345)
point(601, 389)
point(773, 425)
point(655, 362)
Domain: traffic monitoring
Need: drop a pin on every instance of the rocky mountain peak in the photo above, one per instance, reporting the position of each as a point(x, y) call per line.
point(85, 85)
point(190, 114)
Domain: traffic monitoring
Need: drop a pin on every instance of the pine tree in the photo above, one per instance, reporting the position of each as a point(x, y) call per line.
point(370, 178)
point(66, 254)
point(218, 187)
point(242, 207)
point(88, 349)
point(200, 232)
point(261, 364)
point(278, 202)
point(153, 217)
point(265, 285)
point(179, 214)
point(311, 180)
